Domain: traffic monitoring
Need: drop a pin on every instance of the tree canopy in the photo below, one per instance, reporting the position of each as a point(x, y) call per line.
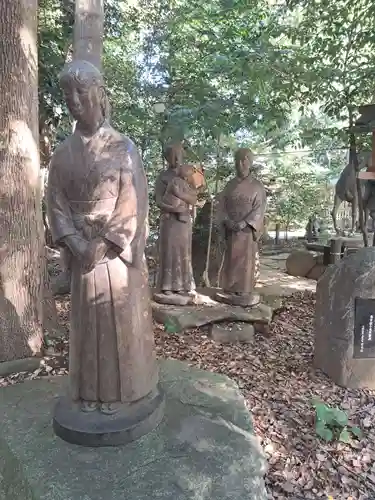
point(284, 78)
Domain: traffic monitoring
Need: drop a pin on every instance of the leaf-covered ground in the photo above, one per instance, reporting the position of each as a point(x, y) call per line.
point(278, 380)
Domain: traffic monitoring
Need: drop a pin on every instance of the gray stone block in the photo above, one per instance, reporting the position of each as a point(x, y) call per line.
point(204, 449)
point(19, 365)
point(230, 333)
point(300, 263)
point(353, 276)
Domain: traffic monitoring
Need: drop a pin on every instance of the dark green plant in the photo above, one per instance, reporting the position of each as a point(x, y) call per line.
point(332, 423)
point(171, 326)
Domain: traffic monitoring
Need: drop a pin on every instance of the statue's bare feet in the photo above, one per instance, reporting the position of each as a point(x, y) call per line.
point(167, 292)
point(109, 408)
point(88, 406)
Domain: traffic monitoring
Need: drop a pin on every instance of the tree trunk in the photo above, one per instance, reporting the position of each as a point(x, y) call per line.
point(88, 31)
point(87, 46)
point(21, 227)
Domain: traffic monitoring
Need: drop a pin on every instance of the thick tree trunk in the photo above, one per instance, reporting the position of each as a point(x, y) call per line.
point(87, 45)
point(88, 31)
point(21, 228)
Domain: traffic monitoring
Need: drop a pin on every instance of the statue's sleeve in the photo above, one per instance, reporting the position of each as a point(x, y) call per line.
point(121, 227)
point(255, 219)
point(58, 208)
point(219, 212)
point(160, 189)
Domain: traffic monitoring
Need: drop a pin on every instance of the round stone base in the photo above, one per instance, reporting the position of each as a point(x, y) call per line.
point(249, 300)
point(97, 429)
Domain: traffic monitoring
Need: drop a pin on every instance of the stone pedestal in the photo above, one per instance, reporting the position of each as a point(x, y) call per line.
point(205, 448)
point(97, 429)
point(345, 312)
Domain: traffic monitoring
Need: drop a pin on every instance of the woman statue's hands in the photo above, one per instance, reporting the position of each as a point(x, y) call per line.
point(95, 252)
point(76, 244)
point(234, 226)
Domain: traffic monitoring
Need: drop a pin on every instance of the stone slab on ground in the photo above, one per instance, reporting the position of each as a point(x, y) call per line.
point(273, 280)
point(279, 284)
point(204, 449)
point(19, 365)
point(229, 333)
point(185, 317)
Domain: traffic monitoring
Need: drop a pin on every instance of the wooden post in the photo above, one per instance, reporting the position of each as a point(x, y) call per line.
point(326, 255)
point(335, 253)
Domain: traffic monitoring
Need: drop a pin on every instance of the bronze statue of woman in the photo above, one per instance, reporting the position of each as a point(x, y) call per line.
point(242, 209)
point(175, 274)
point(97, 204)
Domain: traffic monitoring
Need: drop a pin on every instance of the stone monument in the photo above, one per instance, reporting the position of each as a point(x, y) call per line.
point(242, 210)
point(176, 193)
point(98, 208)
point(345, 320)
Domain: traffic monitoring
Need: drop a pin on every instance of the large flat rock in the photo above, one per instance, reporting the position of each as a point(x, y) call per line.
point(180, 318)
point(206, 310)
point(205, 448)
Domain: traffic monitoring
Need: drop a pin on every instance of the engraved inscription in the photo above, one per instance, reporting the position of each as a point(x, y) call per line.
point(364, 338)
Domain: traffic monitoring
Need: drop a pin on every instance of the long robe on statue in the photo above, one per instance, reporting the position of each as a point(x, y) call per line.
point(242, 200)
point(97, 188)
point(175, 270)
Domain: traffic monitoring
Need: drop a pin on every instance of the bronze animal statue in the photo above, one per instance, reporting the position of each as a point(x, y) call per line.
point(346, 190)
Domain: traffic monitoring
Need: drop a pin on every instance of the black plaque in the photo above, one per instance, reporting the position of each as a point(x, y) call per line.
point(364, 328)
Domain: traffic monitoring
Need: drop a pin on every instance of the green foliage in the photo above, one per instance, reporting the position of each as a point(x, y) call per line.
point(334, 53)
point(171, 326)
point(272, 76)
point(55, 21)
point(332, 423)
point(301, 191)
point(211, 63)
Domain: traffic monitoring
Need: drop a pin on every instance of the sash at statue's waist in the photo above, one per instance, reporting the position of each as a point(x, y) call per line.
point(90, 206)
point(90, 217)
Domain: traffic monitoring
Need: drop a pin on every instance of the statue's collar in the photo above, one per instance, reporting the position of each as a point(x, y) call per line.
point(104, 128)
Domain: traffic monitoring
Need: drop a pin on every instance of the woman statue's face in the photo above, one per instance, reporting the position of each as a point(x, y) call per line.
point(84, 104)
